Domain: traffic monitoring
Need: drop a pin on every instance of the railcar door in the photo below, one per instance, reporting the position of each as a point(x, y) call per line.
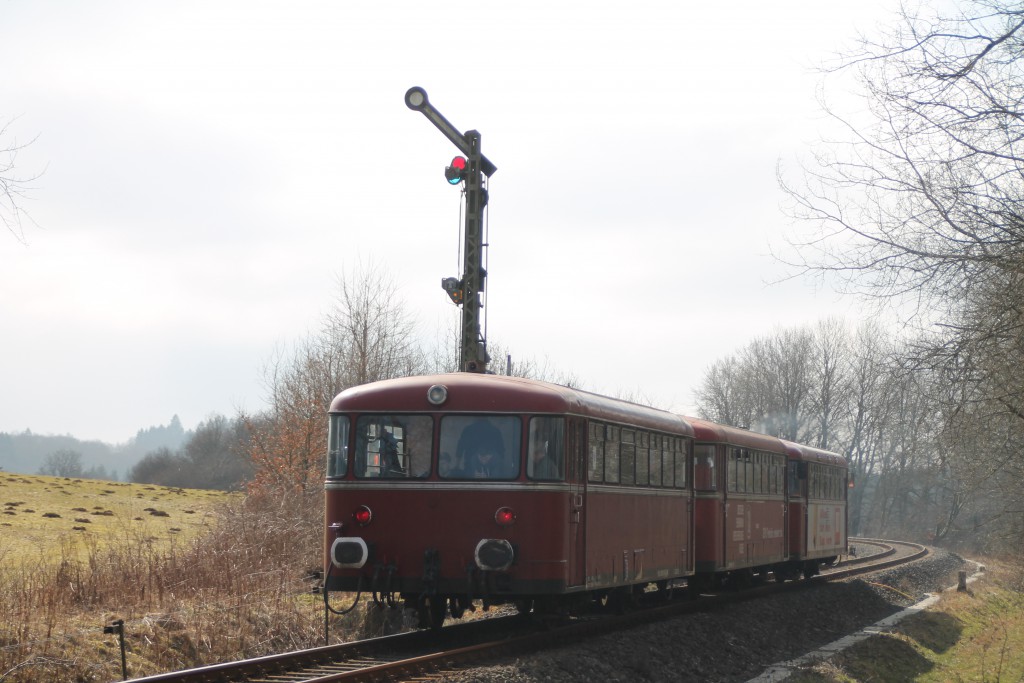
point(576, 457)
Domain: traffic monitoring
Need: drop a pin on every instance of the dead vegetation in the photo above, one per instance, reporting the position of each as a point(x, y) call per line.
point(240, 590)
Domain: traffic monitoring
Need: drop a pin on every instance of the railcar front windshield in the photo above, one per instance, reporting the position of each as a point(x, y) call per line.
point(393, 446)
point(479, 447)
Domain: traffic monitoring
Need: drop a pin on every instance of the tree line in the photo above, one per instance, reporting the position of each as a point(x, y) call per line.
point(919, 201)
point(919, 470)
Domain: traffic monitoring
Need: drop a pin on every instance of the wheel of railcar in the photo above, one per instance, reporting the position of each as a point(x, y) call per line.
point(431, 612)
point(786, 573)
point(457, 607)
point(621, 600)
point(524, 605)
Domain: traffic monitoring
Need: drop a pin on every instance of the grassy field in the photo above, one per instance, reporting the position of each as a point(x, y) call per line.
point(40, 514)
point(973, 636)
point(198, 577)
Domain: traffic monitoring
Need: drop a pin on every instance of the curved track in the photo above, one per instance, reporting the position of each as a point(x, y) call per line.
point(424, 652)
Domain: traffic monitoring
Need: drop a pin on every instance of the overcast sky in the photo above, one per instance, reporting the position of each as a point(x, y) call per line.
point(210, 169)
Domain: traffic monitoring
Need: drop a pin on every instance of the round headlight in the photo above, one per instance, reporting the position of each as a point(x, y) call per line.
point(437, 394)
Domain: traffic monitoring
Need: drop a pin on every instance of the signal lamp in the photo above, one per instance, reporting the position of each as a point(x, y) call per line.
point(437, 394)
point(362, 515)
point(456, 172)
point(505, 517)
point(453, 288)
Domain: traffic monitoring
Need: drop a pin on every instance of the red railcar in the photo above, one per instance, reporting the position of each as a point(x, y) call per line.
point(452, 488)
point(740, 489)
point(764, 505)
point(817, 482)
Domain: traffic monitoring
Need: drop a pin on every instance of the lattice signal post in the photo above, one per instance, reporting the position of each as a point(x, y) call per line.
point(465, 292)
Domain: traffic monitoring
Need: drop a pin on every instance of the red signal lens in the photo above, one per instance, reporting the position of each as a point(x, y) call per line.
point(362, 515)
point(505, 516)
point(456, 171)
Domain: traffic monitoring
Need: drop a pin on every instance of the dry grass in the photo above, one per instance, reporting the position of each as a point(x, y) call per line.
point(972, 636)
point(40, 513)
point(237, 584)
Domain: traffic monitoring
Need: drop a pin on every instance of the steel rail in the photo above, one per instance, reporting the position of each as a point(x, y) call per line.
point(424, 652)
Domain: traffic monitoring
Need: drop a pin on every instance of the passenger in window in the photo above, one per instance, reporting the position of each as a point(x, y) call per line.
point(542, 465)
point(391, 467)
point(482, 451)
point(445, 464)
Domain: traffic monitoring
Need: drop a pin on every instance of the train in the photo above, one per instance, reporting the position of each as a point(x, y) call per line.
point(443, 491)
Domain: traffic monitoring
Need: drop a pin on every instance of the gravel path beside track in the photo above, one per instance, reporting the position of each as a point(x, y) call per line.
point(734, 643)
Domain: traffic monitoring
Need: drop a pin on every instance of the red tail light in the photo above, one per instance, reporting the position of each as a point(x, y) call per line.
point(505, 517)
point(362, 515)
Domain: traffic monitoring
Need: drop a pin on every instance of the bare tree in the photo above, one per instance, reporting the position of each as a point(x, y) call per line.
point(923, 200)
point(925, 197)
point(62, 463)
point(13, 186)
point(369, 336)
point(766, 387)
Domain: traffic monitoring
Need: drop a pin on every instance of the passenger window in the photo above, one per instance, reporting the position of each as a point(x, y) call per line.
point(337, 446)
point(667, 465)
point(596, 461)
point(481, 447)
point(611, 455)
point(656, 463)
point(756, 461)
point(643, 464)
point(748, 472)
point(733, 473)
point(682, 462)
point(704, 468)
point(627, 462)
point(547, 449)
point(794, 479)
point(393, 446)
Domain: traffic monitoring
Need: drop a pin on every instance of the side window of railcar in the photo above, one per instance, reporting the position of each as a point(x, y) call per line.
point(643, 455)
point(748, 465)
point(481, 447)
point(668, 466)
point(595, 462)
point(656, 479)
point(337, 446)
point(547, 448)
point(611, 454)
point(627, 457)
point(793, 486)
point(681, 448)
point(732, 474)
point(393, 446)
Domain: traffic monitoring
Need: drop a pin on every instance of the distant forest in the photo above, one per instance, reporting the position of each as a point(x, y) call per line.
point(212, 456)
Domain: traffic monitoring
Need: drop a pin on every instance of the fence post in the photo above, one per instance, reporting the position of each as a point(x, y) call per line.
point(118, 628)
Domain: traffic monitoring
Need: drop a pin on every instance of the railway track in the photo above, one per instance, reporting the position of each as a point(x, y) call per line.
point(418, 655)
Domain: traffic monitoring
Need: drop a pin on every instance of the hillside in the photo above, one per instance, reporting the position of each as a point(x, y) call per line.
point(25, 452)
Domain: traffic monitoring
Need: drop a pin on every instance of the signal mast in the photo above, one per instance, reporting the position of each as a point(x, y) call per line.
point(468, 169)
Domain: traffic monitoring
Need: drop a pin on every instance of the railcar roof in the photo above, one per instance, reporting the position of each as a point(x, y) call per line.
point(471, 392)
point(711, 431)
point(798, 451)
